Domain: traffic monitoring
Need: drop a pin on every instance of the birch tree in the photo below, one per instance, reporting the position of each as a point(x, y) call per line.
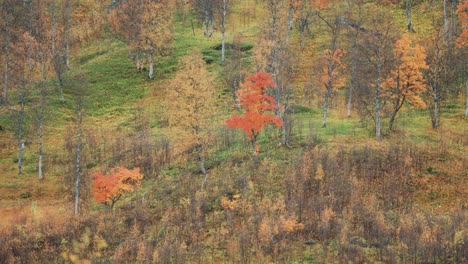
point(192, 104)
point(376, 47)
point(78, 149)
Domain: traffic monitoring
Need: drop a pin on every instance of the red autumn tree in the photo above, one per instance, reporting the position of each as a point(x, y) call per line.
point(109, 188)
point(254, 99)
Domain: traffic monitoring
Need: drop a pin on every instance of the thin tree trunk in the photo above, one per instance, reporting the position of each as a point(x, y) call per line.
point(20, 124)
point(290, 25)
point(408, 6)
point(325, 108)
point(60, 79)
point(57, 60)
point(193, 27)
point(445, 18)
point(54, 29)
point(453, 18)
point(284, 132)
point(41, 118)
point(255, 149)
point(7, 64)
point(78, 158)
point(303, 28)
point(137, 59)
point(205, 32)
point(223, 31)
point(211, 26)
point(202, 166)
point(397, 107)
point(466, 106)
point(351, 87)
point(435, 113)
point(377, 96)
point(151, 66)
point(67, 32)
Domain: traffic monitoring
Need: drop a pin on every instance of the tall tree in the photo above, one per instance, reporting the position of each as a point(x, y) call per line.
point(58, 48)
point(376, 44)
point(406, 82)
point(9, 15)
point(462, 40)
point(272, 55)
point(331, 76)
point(23, 53)
point(78, 149)
point(42, 30)
point(43, 62)
point(192, 104)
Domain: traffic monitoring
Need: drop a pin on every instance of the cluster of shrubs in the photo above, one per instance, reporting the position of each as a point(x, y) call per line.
point(321, 205)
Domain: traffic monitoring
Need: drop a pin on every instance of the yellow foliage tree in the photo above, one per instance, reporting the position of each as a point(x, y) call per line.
point(192, 105)
point(406, 81)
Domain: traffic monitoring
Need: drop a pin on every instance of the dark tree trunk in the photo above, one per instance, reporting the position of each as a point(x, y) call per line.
point(377, 95)
point(397, 106)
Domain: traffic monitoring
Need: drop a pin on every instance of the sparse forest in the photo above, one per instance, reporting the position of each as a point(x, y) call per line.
point(234, 131)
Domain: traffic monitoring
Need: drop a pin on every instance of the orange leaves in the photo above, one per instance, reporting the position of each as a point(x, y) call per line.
point(407, 80)
point(108, 188)
point(319, 4)
point(256, 102)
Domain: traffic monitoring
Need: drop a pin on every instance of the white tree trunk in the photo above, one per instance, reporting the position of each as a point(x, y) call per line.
point(78, 159)
point(151, 66)
point(325, 108)
point(41, 119)
point(223, 30)
point(351, 87)
point(20, 124)
point(290, 24)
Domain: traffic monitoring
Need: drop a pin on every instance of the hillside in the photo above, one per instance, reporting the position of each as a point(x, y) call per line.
point(329, 194)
